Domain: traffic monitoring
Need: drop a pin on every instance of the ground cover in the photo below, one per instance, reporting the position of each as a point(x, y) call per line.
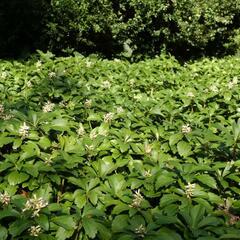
point(99, 149)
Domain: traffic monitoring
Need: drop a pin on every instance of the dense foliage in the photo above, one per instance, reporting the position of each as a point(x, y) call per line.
point(140, 27)
point(129, 28)
point(97, 149)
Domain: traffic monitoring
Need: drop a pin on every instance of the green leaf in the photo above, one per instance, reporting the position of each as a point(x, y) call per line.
point(230, 236)
point(43, 236)
point(167, 234)
point(18, 201)
point(5, 165)
point(90, 227)
point(31, 169)
point(106, 166)
point(197, 214)
point(60, 124)
point(29, 150)
point(80, 199)
point(63, 234)
point(3, 233)
point(162, 219)
point(236, 129)
point(167, 199)
point(94, 117)
point(136, 183)
point(66, 222)
point(15, 178)
point(157, 110)
point(44, 142)
point(5, 141)
point(104, 232)
point(207, 238)
point(209, 221)
point(207, 180)
point(9, 212)
point(184, 149)
point(120, 207)
point(175, 138)
point(18, 226)
point(126, 237)
point(163, 180)
point(117, 182)
point(123, 146)
point(227, 96)
point(43, 221)
point(119, 223)
point(137, 148)
point(17, 143)
point(200, 200)
point(93, 196)
point(213, 198)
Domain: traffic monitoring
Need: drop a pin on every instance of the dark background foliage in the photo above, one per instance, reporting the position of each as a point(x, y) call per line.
point(121, 28)
point(21, 26)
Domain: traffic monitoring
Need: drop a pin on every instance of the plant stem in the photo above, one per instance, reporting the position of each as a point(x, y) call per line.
point(234, 151)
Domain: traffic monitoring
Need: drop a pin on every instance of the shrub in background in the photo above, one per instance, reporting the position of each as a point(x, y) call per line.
point(129, 28)
point(80, 25)
point(204, 26)
point(139, 27)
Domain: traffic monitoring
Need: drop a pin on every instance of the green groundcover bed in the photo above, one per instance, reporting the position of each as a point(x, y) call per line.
point(99, 149)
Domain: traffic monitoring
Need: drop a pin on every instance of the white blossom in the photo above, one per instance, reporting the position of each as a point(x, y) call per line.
point(6, 116)
point(233, 83)
point(147, 148)
point(38, 64)
point(88, 103)
point(48, 161)
point(120, 110)
point(131, 81)
point(137, 97)
point(5, 199)
point(189, 189)
point(24, 130)
point(190, 94)
point(48, 107)
point(89, 147)
point(235, 80)
point(141, 231)
point(93, 134)
point(4, 75)
point(81, 130)
point(63, 104)
point(108, 117)
point(186, 128)
point(214, 88)
point(29, 84)
point(88, 64)
point(3, 115)
point(116, 60)
point(137, 199)
point(35, 204)
point(106, 84)
point(35, 230)
point(1, 109)
point(147, 173)
point(52, 74)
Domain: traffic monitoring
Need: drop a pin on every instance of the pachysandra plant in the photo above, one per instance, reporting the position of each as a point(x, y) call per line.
point(101, 149)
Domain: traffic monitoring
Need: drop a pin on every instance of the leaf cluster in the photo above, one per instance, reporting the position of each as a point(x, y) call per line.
point(121, 151)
